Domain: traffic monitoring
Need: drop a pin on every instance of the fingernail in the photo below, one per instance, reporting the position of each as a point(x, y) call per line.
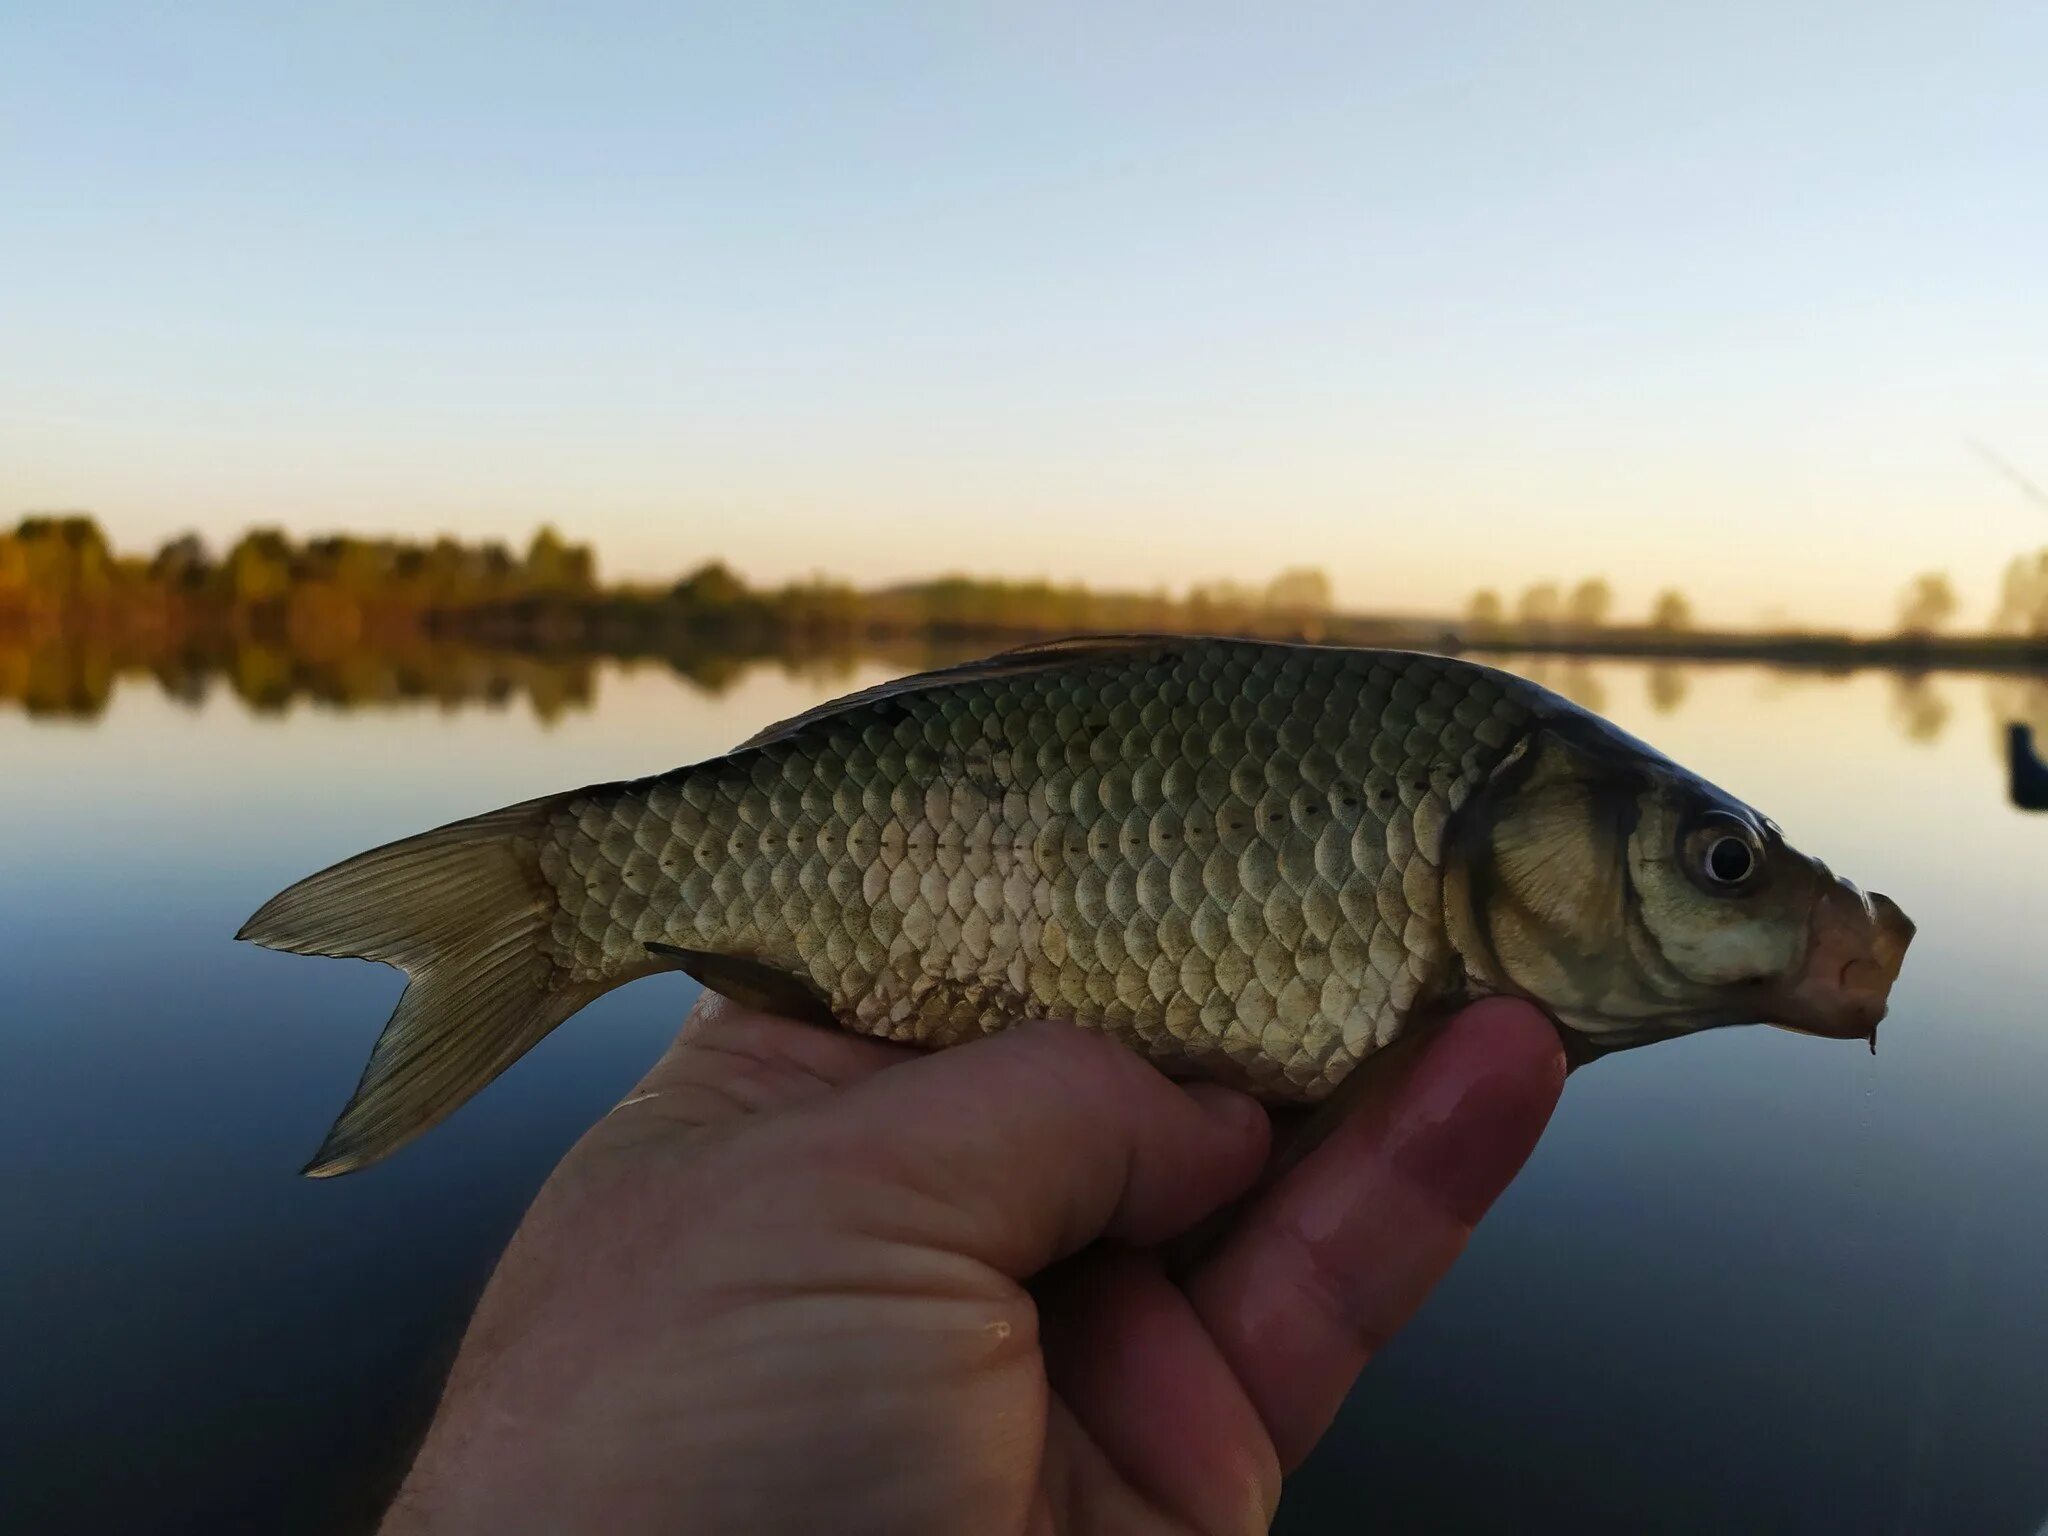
point(1467, 1119)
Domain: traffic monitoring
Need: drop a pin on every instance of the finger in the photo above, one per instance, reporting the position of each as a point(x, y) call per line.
point(1325, 1266)
point(1154, 1406)
point(1019, 1149)
point(731, 1063)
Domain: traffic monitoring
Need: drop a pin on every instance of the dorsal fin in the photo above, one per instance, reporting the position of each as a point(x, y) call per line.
point(1043, 655)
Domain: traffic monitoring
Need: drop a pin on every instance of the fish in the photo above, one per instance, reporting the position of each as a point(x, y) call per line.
point(1254, 863)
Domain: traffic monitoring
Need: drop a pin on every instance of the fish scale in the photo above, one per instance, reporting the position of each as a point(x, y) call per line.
point(1229, 857)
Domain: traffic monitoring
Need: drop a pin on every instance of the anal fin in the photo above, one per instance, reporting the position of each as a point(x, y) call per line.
point(752, 983)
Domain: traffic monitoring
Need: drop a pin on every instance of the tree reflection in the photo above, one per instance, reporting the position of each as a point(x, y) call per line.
point(73, 676)
point(1667, 686)
point(53, 674)
point(1570, 676)
point(2018, 697)
point(1918, 707)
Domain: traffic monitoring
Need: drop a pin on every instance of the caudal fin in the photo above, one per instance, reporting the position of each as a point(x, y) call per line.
point(464, 912)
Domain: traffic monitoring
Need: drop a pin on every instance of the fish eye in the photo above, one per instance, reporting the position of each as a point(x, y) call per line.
point(1723, 855)
point(1729, 860)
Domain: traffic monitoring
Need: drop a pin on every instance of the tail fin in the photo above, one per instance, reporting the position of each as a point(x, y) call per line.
point(464, 912)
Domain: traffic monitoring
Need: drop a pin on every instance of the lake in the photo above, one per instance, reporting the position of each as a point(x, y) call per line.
point(1749, 1282)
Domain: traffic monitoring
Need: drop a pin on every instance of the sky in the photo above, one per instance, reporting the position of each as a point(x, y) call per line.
point(1433, 297)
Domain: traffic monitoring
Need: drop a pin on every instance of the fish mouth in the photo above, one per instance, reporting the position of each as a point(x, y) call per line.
point(1853, 956)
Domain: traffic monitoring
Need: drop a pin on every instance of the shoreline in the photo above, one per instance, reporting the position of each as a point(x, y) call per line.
point(1830, 653)
point(625, 630)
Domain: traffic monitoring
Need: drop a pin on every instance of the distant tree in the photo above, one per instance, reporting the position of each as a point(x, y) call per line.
point(1221, 606)
point(1484, 613)
point(1297, 600)
point(710, 587)
point(1671, 612)
point(1226, 596)
point(498, 566)
point(1539, 606)
point(1927, 604)
point(64, 556)
point(92, 558)
point(1302, 590)
point(1590, 601)
point(182, 562)
point(362, 568)
point(13, 566)
point(450, 572)
point(259, 566)
point(555, 565)
point(820, 607)
point(2023, 597)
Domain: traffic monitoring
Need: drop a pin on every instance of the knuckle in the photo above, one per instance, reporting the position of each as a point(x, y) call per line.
point(1332, 1301)
point(1084, 1052)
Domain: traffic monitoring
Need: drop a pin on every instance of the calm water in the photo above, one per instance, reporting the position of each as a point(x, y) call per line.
point(1750, 1282)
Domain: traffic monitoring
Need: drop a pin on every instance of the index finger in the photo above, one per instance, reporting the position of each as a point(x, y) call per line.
point(1332, 1260)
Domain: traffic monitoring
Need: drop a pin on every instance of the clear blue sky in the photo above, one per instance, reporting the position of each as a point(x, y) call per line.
point(1429, 296)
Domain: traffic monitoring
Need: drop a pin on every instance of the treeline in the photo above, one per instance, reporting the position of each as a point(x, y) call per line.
point(62, 571)
point(1548, 608)
point(67, 565)
point(714, 602)
point(1927, 606)
point(61, 574)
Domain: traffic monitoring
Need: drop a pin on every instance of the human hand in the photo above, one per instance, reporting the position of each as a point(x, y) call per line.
point(803, 1281)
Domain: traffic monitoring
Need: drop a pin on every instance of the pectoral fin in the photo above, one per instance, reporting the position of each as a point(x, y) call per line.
point(752, 983)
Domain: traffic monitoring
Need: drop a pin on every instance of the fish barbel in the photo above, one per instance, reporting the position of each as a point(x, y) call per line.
point(1253, 863)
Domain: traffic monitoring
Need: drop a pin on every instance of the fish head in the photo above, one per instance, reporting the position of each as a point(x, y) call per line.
point(1637, 902)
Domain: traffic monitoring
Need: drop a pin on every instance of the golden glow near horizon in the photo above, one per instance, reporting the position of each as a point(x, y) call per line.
point(1429, 301)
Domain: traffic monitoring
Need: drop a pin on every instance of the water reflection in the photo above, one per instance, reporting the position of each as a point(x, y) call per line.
point(75, 677)
point(2021, 698)
point(1667, 686)
point(1919, 709)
